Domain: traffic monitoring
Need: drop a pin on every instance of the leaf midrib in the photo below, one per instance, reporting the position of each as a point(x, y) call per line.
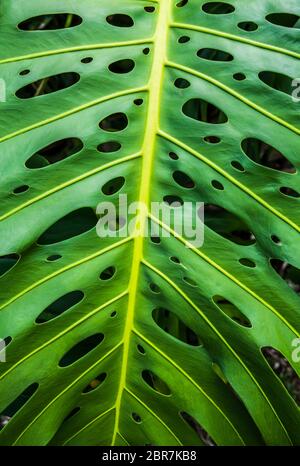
point(155, 91)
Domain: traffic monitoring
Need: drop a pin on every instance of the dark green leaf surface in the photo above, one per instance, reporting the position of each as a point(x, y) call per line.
point(166, 329)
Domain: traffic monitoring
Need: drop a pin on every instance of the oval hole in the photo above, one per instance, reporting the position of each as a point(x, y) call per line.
point(95, 383)
point(50, 22)
point(120, 20)
point(283, 370)
point(183, 179)
point(173, 201)
point(81, 349)
point(288, 272)
point(7, 262)
point(113, 186)
point(231, 311)
point(122, 66)
point(171, 324)
point(114, 122)
point(48, 85)
point(214, 55)
point(60, 306)
point(228, 225)
point(54, 152)
point(18, 403)
point(266, 155)
point(204, 111)
point(156, 382)
point(218, 8)
point(76, 223)
point(182, 83)
point(248, 26)
point(109, 146)
point(287, 20)
point(278, 81)
point(289, 192)
point(108, 273)
point(198, 429)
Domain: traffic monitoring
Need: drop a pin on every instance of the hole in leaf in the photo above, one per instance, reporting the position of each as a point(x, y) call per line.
point(108, 273)
point(239, 76)
point(87, 60)
point(247, 262)
point(109, 146)
point(136, 418)
point(19, 402)
point(184, 39)
point(214, 55)
point(48, 85)
point(54, 152)
point(201, 110)
point(217, 185)
point(289, 273)
point(218, 8)
point(154, 288)
point(146, 51)
point(7, 262)
point(248, 26)
point(284, 371)
point(173, 201)
point(156, 382)
point(190, 281)
point(120, 20)
point(175, 260)
point(114, 122)
point(50, 22)
point(202, 434)
point(289, 192)
point(149, 9)
point(232, 311)
point(54, 257)
point(183, 180)
point(141, 349)
point(228, 225)
point(95, 383)
point(182, 3)
point(173, 156)
point(61, 305)
point(278, 81)
point(81, 349)
point(237, 165)
point(122, 66)
point(155, 239)
point(76, 223)
point(21, 189)
point(212, 139)
point(24, 72)
point(266, 155)
point(275, 239)
point(171, 324)
point(182, 83)
point(113, 186)
point(288, 20)
point(138, 102)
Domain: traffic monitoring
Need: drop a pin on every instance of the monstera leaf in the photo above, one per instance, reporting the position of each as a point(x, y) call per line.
point(128, 338)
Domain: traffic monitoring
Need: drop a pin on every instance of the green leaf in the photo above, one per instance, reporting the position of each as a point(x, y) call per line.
point(145, 340)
